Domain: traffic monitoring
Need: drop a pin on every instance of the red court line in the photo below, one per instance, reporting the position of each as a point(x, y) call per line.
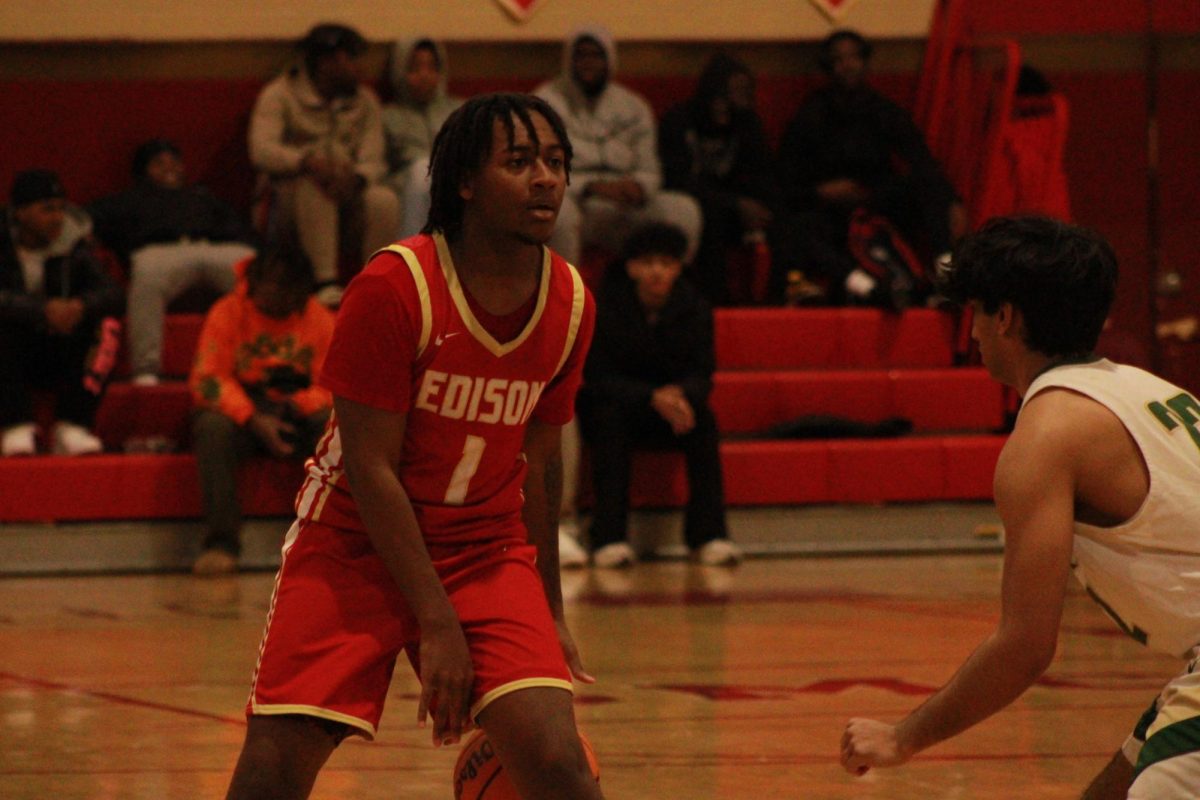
point(120, 699)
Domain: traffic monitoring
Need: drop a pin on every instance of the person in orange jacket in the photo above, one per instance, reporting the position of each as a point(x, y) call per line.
point(253, 386)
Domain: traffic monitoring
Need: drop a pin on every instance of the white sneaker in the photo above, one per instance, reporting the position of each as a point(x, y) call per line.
point(145, 379)
point(859, 284)
point(75, 440)
point(570, 554)
point(617, 555)
point(19, 440)
point(720, 553)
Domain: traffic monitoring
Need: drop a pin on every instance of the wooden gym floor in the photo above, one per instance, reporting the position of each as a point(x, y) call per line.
point(713, 685)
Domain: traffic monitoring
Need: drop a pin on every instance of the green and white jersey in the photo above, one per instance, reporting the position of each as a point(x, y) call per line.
point(1146, 571)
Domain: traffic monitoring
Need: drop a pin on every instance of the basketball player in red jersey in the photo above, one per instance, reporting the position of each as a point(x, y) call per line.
point(428, 521)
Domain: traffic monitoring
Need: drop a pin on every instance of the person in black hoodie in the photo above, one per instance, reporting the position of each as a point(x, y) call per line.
point(173, 235)
point(58, 310)
point(713, 147)
point(646, 385)
point(848, 148)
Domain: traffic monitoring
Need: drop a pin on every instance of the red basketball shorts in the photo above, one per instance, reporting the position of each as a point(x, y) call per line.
point(338, 622)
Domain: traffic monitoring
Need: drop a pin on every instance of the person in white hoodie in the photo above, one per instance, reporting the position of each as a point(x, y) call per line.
point(616, 178)
point(410, 123)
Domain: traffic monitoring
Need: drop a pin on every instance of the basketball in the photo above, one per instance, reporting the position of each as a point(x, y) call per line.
point(479, 776)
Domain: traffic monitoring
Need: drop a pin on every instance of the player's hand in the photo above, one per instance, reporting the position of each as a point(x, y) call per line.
point(571, 653)
point(842, 191)
point(272, 431)
point(672, 405)
point(867, 743)
point(63, 314)
point(446, 681)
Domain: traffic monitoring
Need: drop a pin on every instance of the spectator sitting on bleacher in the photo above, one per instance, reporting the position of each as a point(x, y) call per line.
point(316, 132)
point(421, 105)
point(714, 148)
point(173, 236)
point(259, 350)
point(849, 148)
point(58, 318)
point(647, 382)
point(616, 179)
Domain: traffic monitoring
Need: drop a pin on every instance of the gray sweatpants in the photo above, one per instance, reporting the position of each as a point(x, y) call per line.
point(162, 272)
point(596, 221)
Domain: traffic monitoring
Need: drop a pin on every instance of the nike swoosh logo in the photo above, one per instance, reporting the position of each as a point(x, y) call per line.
point(443, 337)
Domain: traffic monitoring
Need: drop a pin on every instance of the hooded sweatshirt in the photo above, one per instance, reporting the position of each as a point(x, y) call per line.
point(245, 358)
point(614, 134)
point(409, 127)
point(71, 268)
point(291, 119)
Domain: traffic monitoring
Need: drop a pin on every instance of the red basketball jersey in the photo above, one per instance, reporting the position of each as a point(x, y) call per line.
point(407, 341)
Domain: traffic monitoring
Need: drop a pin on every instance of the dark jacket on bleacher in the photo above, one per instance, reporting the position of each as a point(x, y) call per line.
point(72, 269)
point(150, 214)
point(630, 357)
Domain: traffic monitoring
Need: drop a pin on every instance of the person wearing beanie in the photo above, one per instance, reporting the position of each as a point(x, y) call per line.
point(646, 385)
point(316, 136)
point(173, 236)
point(59, 318)
point(410, 122)
point(616, 183)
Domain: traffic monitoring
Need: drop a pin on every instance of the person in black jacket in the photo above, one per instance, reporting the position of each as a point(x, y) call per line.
point(713, 147)
point(58, 310)
point(646, 384)
point(173, 235)
point(848, 148)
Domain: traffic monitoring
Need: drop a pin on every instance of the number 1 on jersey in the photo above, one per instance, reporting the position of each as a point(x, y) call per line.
point(456, 493)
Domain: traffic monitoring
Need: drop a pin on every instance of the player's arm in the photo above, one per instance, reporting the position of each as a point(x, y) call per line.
point(1035, 488)
point(543, 498)
point(371, 444)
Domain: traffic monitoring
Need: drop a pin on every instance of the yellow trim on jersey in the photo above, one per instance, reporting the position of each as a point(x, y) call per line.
point(414, 266)
point(516, 686)
point(315, 711)
point(464, 308)
point(578, 299)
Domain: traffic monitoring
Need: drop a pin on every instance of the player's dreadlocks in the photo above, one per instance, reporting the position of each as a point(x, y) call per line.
point(465, 142)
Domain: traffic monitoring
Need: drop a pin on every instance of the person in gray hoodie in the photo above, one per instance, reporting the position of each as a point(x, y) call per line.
point(616, 178)
point(418, 75)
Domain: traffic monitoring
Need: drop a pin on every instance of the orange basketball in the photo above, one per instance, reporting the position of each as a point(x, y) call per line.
point(479, 776)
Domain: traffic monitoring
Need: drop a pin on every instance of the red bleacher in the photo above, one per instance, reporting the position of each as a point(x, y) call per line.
point(774, 365)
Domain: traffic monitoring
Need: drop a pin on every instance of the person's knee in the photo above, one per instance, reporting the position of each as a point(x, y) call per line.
point(282, 755)
point(380, 201)
point(681, 210)
point(557, 761)
point(210, 427)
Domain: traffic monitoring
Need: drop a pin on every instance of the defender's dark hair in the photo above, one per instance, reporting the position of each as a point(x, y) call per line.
point(651, 239)
point(464, 143)
point(1061, 277)
point(825, 53)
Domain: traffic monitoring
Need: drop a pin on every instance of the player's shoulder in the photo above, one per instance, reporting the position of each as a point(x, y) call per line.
point(1059, 422)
